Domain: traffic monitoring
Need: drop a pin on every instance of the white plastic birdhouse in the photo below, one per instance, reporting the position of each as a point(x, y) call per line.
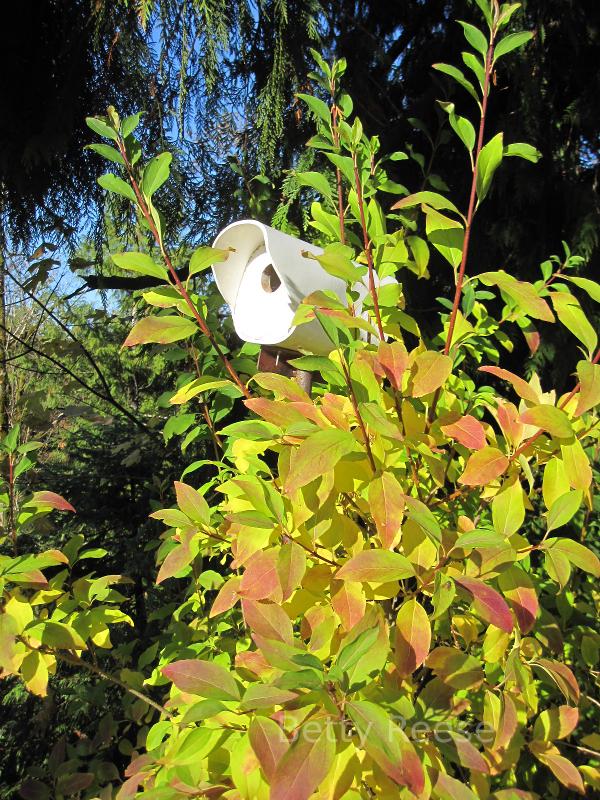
point(264, 280)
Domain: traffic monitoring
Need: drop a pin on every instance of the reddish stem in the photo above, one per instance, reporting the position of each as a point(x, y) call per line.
point(472, 199)
point(338, 172)
point(359, 418)
point(367, 246)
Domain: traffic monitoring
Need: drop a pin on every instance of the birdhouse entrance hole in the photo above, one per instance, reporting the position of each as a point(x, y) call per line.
point(269, 279)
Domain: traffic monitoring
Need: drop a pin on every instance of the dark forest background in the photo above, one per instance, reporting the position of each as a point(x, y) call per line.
point(216, 82)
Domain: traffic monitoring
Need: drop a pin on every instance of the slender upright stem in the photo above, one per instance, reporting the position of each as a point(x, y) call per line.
point(173, 272)
point(469, 220)
point(217, 443)
point(367, 246)
point(359, 418)
point(338, 172)
point(472, 198)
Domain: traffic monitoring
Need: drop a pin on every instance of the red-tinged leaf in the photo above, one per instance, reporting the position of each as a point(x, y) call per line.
point(31, 576)
point(508, 419)
point(275, 412)
point(311, 412)
point(589, 390)
point(556, 723)
point(227, 596)
point(73, 784)
point(269, 743)
point(413, 637)
point(517, 587)
point(178, 558)
point(467, 431)
point(281, 386)
point(430, 371)
point(387, 744)
point(50, 557)
point(521, 387)
point(160, 330)
point(291, 566)
point(447, 788)
point(488, 603)
point(260, 579)
point(393, 359)
point(484, 466)
point(268, 620)
point(204, 678)
point(455, 668)
point(468, 755)
point(306, 764)
point(318, 454)
point(50, 500)
point(191, 502)
point(562, 769)
point(532, 337)
point(561, 675)
point(34, 790)
point(253, 661)
point(260, 695)
point(376, 566)
point(386, 501)
point(548, 418)
point(499, 715)
point(350, 604)
point(508, 723)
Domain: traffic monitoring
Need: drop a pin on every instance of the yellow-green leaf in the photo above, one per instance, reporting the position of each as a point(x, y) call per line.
point(430, 371)
point(376, 566)
point(508, 509)
point(589, 391)
point(549, 418)
point(141, 263)
point(318, 454)
point(572, 316)
point(160, 330)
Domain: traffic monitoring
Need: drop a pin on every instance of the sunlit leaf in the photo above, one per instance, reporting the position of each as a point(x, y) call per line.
point(375, 566)
point(484, 466)
point(488, 603)
point(160, 330)
point(413, 637)
point(204, 678)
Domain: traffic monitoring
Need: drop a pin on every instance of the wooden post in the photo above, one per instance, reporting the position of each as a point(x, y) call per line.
point(274, 359)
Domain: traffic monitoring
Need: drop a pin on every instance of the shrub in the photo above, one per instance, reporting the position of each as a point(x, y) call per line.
point(404, 545)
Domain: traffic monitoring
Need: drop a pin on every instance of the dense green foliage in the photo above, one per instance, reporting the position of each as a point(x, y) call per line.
point(385, 589)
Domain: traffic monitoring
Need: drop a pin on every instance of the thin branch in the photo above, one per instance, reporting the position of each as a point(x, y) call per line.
point(338, 172)
point(79, 662)
point(357, 413)
point(79, 380)
point(69, 333)
point(367, 246)
point(472, 198)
